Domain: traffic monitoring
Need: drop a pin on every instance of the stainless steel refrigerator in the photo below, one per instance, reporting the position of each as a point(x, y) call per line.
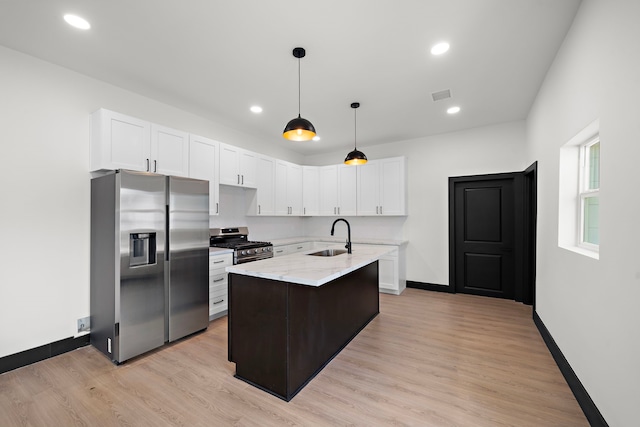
point(149, 261)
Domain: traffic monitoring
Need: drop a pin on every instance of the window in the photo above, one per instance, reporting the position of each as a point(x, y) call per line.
point(589, 194)
point(579, 193)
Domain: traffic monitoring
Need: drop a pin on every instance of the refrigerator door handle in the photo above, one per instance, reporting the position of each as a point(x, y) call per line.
point(166, 233)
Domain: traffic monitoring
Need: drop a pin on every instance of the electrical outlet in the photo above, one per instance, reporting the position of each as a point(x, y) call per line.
point(83, 325)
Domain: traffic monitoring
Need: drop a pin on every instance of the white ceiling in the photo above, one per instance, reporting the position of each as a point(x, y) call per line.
point(217, 58)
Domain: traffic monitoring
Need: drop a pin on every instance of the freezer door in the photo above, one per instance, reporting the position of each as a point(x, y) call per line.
point(140, 292)
point(187, 271)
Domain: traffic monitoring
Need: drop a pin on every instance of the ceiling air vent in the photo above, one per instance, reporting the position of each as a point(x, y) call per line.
point(443, 94)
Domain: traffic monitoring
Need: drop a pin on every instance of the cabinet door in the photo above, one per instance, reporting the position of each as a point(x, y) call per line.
point(229, 165)
point(248, 165)
point(294, 189)
point(281, 208)
point(393, 186)
point(310, 190)
point(388, 274)
point(328, 194)
point(369, 188)
point(203, 164)
point(347, 189)
point(119, 142)
point(266, 186)
point(169, 151)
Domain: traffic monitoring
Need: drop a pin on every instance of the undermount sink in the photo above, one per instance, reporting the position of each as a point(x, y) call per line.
point(329, 252)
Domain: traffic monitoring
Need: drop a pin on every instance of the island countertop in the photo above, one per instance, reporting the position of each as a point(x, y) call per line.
point(305, 269)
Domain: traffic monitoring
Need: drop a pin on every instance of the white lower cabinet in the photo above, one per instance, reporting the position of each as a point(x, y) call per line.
point(391, 267)
point(391, 273)
point(292, 248)
point(218, 283)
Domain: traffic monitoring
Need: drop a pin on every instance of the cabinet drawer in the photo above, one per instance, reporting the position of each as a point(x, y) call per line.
point(220, 261)
point(218, 304)
point(218, 279)
point(217, 290)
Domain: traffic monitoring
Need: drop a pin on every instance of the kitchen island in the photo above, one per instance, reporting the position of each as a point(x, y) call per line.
point(289, 316)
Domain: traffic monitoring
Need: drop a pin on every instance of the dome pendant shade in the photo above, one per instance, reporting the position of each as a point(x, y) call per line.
point(299, 129)
point(355, 157)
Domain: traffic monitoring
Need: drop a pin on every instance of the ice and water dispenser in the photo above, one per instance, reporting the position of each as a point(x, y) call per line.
point(142, 249)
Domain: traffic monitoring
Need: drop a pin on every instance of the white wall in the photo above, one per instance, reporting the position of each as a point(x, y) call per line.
point(431, 161)
point(591, 306)
point(233, 209)
point(45, 191)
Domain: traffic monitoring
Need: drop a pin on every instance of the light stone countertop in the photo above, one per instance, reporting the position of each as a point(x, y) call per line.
point(309, 270)
point(332, 239)
point(219, 251)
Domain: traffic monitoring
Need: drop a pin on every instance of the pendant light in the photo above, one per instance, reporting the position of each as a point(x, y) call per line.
point(299, 129)
point(355, 157)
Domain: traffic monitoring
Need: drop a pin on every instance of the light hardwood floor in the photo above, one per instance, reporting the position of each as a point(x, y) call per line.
point(428, 359)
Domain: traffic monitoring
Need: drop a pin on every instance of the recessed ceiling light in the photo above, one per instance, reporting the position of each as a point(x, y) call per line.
point(440, 48)
point(453, 110)
point(76, 21)
point(256, 109)
point(315, 138)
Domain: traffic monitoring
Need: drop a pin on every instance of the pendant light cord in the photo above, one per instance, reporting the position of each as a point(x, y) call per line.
point(355, 128)
point(298, 87)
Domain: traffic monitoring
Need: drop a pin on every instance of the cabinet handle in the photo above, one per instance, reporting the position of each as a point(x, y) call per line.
point(258, 209)
point(242, 179)
point(218, 280)
point(380, 210)
point(280, 251)
point(299, 247)
point(338, 210)
point(304, 211)
point(155, 166)
point(218, 302)
point(147, 165)
point(238, 179)
point(217, 211)
point(376, 210)
point(218, 262)
point(334, 210)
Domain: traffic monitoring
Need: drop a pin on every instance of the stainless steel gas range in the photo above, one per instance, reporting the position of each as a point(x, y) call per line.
point(236, 238)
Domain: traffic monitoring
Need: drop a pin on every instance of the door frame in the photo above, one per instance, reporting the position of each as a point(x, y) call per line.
point(525, 205)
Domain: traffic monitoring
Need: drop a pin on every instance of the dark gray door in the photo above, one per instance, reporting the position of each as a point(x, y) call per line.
point(484, 236)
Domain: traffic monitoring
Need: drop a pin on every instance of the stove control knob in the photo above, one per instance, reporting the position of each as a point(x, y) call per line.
point(268, 249)
point(243, 253)
point(250, 251)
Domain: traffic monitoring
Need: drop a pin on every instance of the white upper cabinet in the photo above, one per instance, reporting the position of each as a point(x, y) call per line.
point(119, 141)
point(382, 187)
point(265, 193)
point(328, 190)
point(169, 151)
point(237, 166)
point(203, 164)
point(369, 188)
point(310, 190)
point(347, 188)
point(288, 194)
point(337, 190)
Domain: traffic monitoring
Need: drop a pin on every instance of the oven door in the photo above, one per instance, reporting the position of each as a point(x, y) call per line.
point(241, 259)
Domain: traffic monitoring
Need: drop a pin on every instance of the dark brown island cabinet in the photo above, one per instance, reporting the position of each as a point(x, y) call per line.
point(282, 334)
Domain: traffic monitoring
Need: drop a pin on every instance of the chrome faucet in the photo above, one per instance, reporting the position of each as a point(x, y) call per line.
point(348, 245)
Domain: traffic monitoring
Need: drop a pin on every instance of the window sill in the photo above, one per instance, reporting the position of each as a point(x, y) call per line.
point(582, 251)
